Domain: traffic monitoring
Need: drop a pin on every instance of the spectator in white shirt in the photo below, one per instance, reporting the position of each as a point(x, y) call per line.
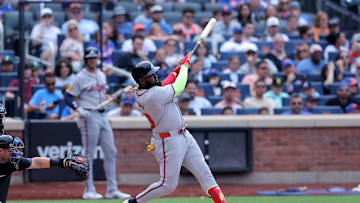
point(235, 43)
point(172, 58)
point(196, 102)
point(248, 32)
point(337, 42)
point(233, 69)
point(272, 26)
point(149, 45)
point(126, 108)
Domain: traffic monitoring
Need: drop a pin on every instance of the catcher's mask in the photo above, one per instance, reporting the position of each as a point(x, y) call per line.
point(15, 146)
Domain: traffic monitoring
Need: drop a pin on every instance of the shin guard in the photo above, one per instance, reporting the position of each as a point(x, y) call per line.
point(216, 194)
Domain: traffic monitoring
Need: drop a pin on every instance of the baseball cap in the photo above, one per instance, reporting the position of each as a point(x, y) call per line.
point(250, 47)
point(183, 97)
point(156, 8)
point(212, 72)
point(272, 21)
point(278, 81)
point(46, 11)
point(294, 5)
point(315, 48)
point(351, 81)
point(226, 9)
point(356, 37)
point(7, 59)
point(305, 85)
point(237, 30)
point(119, 10)
point(351, 107)
point(128, 99)
point(334, 21)
point(228, 84)
point(312, 98)
point(287, 62)
point(75, 6)
point(138, 27)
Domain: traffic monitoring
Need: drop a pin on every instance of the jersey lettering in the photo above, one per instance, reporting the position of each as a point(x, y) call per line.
point(152, 123)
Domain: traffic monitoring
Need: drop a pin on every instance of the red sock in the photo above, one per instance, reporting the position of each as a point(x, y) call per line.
point(216, 194)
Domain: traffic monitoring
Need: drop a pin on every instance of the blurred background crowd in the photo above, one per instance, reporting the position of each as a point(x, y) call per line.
point(262, 57)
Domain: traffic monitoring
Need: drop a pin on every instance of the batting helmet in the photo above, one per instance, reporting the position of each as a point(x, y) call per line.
point(143, 69)
point(90, 52)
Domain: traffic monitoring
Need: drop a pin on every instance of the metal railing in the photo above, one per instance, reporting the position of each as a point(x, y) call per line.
point(38, 59)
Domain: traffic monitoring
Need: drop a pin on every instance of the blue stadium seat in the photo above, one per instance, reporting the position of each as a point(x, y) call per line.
point(286, 101)
point(224, 76)
point(7, 52)
point(357, 98)
point(181, 6)
point(35, 88)
point(134, 14)
point(326, 110)
point(113, 78)
point(129, 6)
point(264, 46)
point(318, 86)
point(159, 43)
point(349, 74)
point(227, 55)
point(116, 56)
point(333, 56)
point(113, 87)
point(220, 65)
point(294, 37)
point(199, 16)
point(167, 6)
point(172, 17)
point(333, 87)
point(323, 99)
point(6, 78)
point(212, 7)
point(210, 111)
point(292, 44)
point(207, 88)
point(215, 99)
point(90, 15)
point(247, 111)
point(281, 110)
point(313, 77)
point(244, 90)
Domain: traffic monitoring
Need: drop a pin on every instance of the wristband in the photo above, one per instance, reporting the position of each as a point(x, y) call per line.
point(57, 162)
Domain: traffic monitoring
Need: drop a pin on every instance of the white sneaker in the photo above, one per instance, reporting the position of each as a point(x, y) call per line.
point(117, 195)
point(92, 195)
point(126, 201)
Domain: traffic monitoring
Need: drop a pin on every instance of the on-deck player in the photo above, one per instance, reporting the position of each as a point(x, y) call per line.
point(173, 145)
point(87, 91)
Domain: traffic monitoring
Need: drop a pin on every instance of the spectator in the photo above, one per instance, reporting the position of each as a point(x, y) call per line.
point(197, 70)
point(313, 64)
point(145, 17)
point(276, 93)
point(129, 59)
point(257, 10)
point(46, 100)
point(196, 102)
point(112, 34)
point(28, 83)
point(343, 61)
point(187, 24)
point(356, 70)
point(334, 24)
point(251, 55)
point(343, 98)
point(148, 45)
point(159, 60)
point(172, 58)
point(179, 36)
point(306, 90)
point(283, 9)
point(352, 108)
point(329, 75)
point(63, 73)
point(233, 69)
point(320, 26)
point(292, 26)
point(302, 52)
point(86, 27)
point(157, 17)
point(183, 102)
point(108, 47)
point(270, 11)
point(258, 100)
point(5, 7)
point(230, 97)
point(227, 111)
point(36, 71)
point(310, 102)
point(295, 9)
point(46, 31)
point(262, 70)
point(214, 79)
point(226, 27)
point(7, 64)
point(126, 108)
point(296, 105)
point(123, 26)
point(291, 77)
point(353, 85)
point(263, 111)
point(272, 25)
point(217, 14)
point(248, 32)
point(244, 14)
point(306, 33)
point(278, 54)
point(234, 44)
point(72, 47)
point(155, 33)
point(203, 53)
point(337, 42)
point(355, 48)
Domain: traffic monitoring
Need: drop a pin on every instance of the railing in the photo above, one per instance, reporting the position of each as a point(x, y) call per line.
point(37, 59)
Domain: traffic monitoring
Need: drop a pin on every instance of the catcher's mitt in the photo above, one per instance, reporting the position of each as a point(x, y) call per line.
point(78, 164)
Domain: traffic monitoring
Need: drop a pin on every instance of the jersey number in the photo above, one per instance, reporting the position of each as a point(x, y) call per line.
point(152, 123)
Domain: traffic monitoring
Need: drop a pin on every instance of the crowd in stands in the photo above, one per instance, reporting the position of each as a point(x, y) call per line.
point(262, 57)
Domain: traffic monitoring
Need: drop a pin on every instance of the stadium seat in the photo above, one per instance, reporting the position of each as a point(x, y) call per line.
point(281, 110)
point(11, 22)
point(7, 52)
point(210, 111)
point(167, 6)
point(357, 98)
point(134, 14)
point(220, 65)
point(107, 16)
point(326, 110)
point(349, 74)
point(247, 111)
point(227, 55)
point(313, 77)
point(91, 16)
point(244, 90)
point(6, 78)
point(129, 6)
point(112, 78)
point(199, 16)
point(215, 99)
point(116, 56)
point(294, 37)
point(159, 43)
point(333, 56)
point(207, 88)
point(333, 87)
point(224, 76)
point(181, 6)
point(55, 7)
point(264, 46)
point(212, 7)
point(172, 17)
point(285, 101)
point(323, 99)
point(35, 88)
point(318, 86)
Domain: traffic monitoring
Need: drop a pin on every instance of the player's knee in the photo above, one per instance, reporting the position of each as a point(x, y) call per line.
point(170, 187)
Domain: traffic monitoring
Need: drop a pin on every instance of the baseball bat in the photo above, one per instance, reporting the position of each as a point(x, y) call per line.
point(106, 102)
point(204, 34)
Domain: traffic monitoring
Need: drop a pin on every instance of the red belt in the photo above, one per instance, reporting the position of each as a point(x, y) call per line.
point(168, 134)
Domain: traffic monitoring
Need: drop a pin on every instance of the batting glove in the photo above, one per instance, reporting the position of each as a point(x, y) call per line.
point(83, 113)
point(186, 60)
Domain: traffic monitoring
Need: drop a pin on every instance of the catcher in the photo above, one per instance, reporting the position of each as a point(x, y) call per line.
point(11, 159)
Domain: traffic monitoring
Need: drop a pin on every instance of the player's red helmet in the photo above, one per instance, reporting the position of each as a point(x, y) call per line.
point(143, 69)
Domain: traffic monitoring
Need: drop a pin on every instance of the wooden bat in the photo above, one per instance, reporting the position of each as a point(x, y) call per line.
point(108, 101)
point(204, 34)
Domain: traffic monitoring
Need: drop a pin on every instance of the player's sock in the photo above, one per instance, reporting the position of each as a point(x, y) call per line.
point(216, 194)
point(133, 200)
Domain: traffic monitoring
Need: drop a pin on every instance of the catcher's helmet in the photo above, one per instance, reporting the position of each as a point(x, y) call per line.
point(15, 146)
point(143, 69)
point(90, 52)
point(5, 141)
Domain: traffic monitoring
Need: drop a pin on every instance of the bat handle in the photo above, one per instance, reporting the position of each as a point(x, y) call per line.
point(198, 43)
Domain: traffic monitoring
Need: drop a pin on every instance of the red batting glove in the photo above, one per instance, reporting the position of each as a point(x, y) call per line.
point(186, 60)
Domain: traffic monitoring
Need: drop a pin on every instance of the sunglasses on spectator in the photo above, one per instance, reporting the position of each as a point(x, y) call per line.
point(264, 68)
point(344, 57)
point(50, 84)
point(47, 16)
point(72, 29)
point(301, 50)
point(296, 103)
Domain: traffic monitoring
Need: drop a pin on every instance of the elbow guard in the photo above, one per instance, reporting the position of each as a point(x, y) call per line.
point(70, 101)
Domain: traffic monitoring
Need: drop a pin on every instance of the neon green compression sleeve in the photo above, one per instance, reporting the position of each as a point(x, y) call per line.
point(180, 82)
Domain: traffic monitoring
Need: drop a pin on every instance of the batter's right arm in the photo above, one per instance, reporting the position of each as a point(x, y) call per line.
point(180, 82)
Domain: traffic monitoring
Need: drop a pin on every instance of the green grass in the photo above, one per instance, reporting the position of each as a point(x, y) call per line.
point(293, 199)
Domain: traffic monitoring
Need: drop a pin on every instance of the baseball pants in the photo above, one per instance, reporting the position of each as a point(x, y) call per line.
point(96, 130)
point(171, 153)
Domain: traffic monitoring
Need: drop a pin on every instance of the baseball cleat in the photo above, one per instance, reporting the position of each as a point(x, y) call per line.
point(92, 195)
point(117, 195)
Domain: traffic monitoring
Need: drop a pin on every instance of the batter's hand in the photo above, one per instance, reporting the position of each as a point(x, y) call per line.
point(83, 113)
point(186, 60)
point(130, 89)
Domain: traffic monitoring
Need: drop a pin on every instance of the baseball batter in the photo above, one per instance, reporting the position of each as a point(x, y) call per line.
point(88, 90)
point(11, 151)
point(172, 144)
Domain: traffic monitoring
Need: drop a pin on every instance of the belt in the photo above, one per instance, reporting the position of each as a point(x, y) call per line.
point(99, 110)
point(174, 132)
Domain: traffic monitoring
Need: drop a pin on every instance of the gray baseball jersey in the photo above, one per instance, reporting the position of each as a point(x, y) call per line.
point(90, 88)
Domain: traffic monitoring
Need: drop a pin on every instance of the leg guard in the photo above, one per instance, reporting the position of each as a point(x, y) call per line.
point(216, 194)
